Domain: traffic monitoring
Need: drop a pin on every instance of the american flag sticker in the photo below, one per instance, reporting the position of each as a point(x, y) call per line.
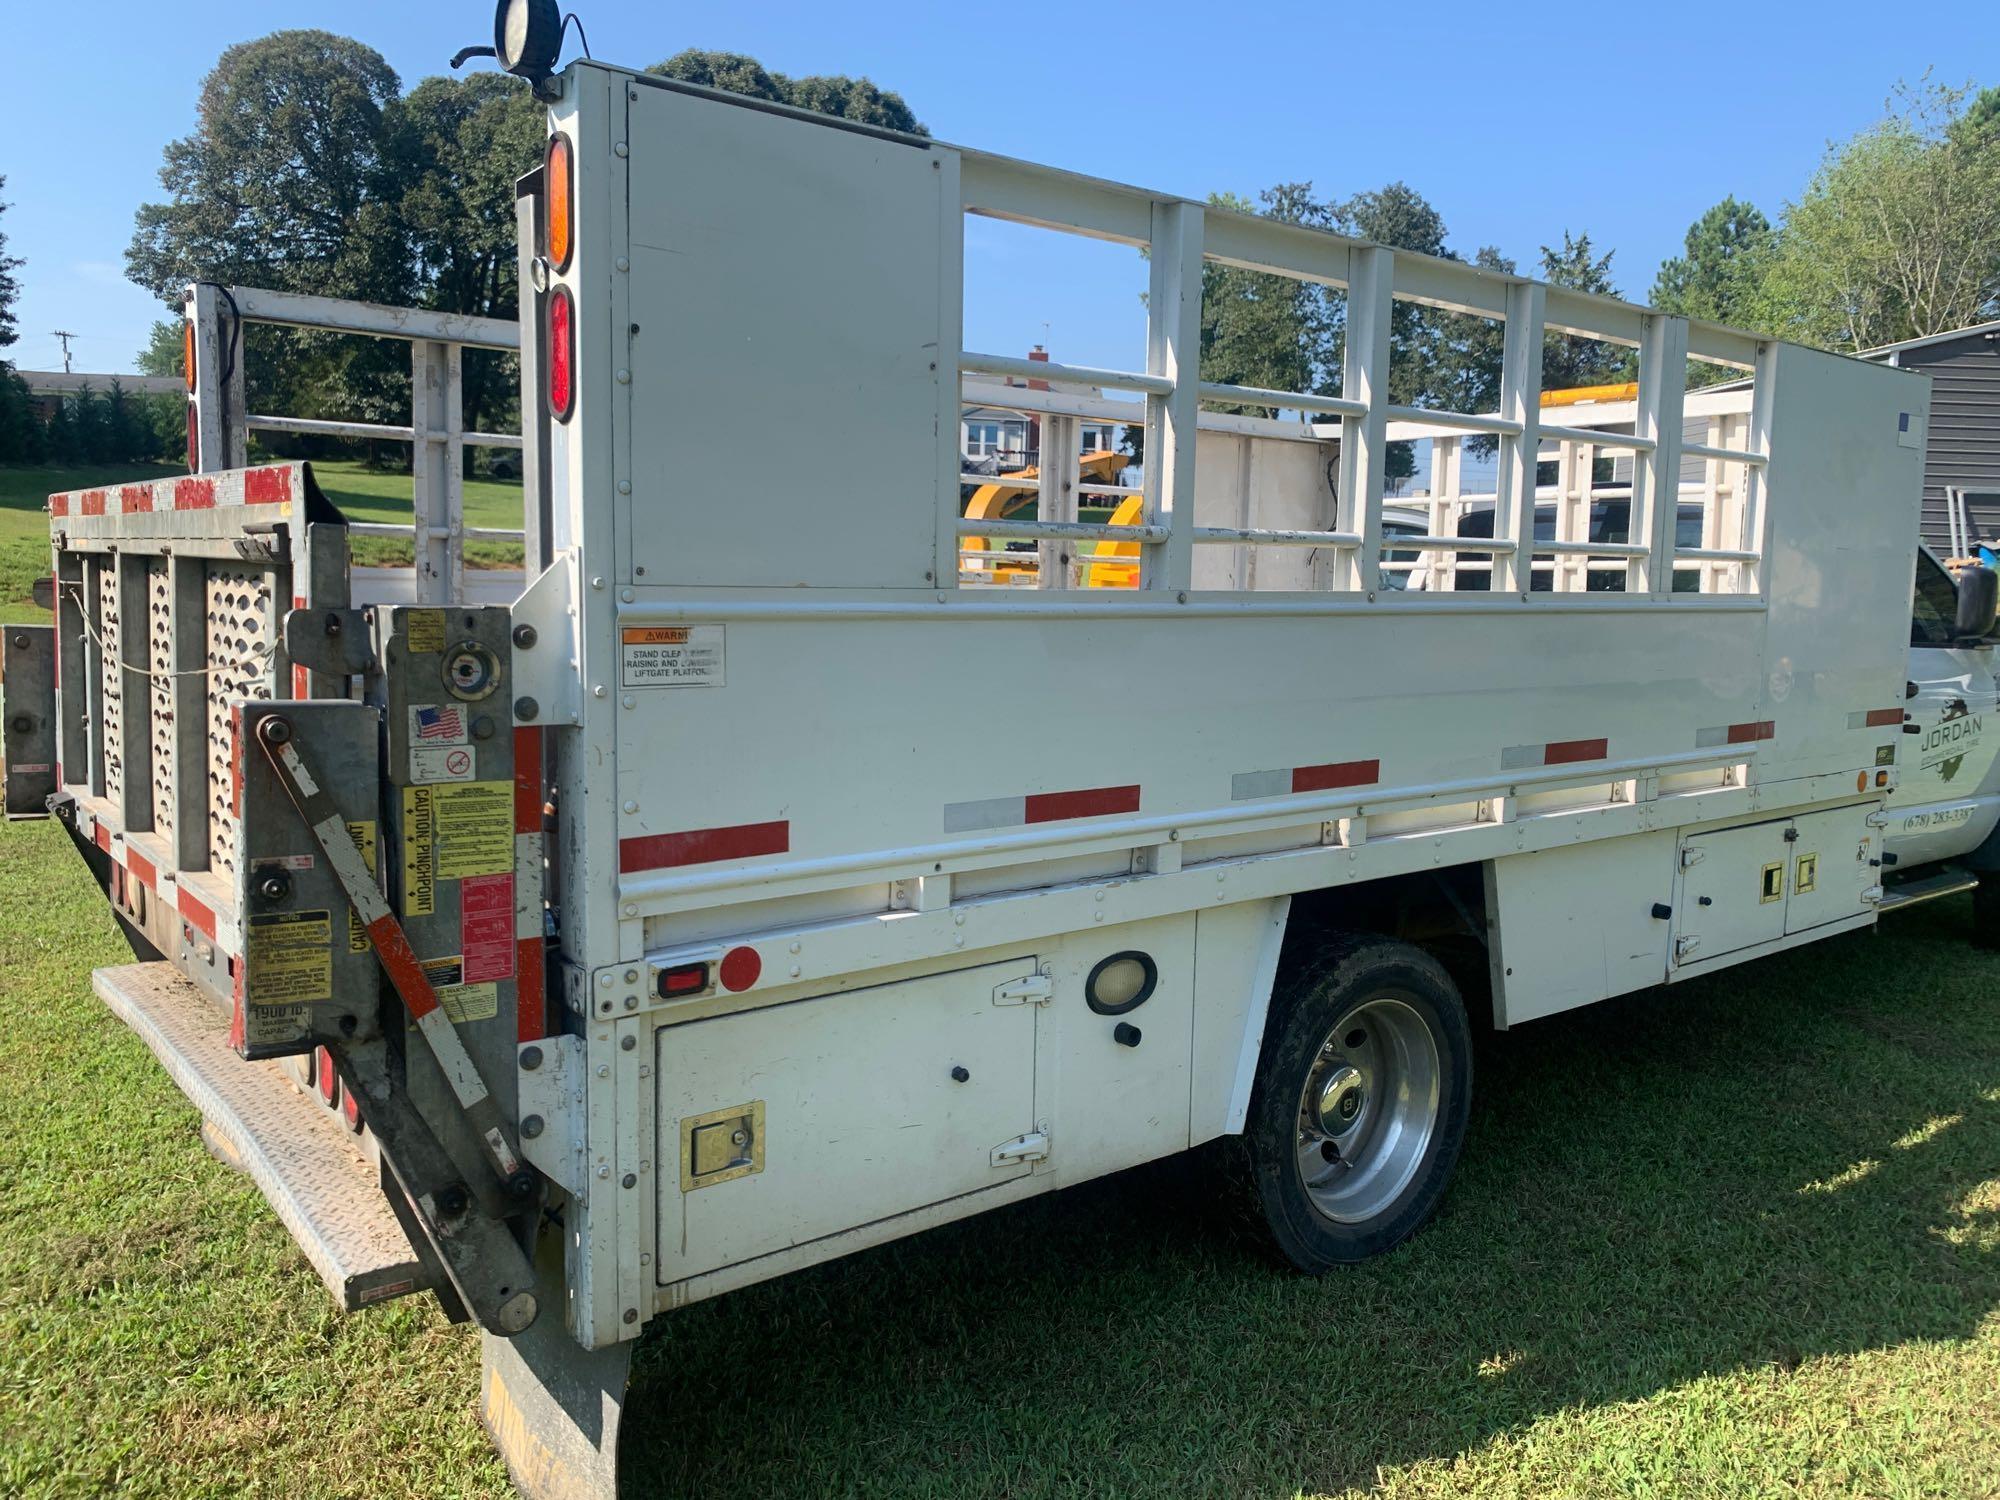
point(437, 724)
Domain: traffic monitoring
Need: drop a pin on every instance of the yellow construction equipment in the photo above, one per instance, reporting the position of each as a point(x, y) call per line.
point(1011, 496)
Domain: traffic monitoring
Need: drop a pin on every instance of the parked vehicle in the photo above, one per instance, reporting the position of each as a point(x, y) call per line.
point(753, 888)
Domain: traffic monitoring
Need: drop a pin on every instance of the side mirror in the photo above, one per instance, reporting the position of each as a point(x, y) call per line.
point(1978, 603)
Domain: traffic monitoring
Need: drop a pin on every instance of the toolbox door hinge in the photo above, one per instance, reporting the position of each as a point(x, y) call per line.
point(1692, 857)
point(1034, 1146)
point(1685, 948)
point(1029, 989)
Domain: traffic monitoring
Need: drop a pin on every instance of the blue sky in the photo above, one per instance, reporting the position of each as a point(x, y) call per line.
point(1518, 123)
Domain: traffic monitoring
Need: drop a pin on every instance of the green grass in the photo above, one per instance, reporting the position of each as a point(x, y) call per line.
point(1740, 1237)
point(362, 494)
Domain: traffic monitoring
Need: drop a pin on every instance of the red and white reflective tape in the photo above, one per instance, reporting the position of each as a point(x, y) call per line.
point(1039, 807)
point(702, 846)
point(1874, 718)
point(1554, 753)
point(269, 484)
point(1735, 734)
point(1251, 786)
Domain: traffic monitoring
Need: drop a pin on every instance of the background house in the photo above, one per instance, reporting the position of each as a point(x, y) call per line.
point(1963, 451)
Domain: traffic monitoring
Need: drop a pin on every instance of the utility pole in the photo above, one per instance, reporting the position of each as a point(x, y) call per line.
point(65, 336)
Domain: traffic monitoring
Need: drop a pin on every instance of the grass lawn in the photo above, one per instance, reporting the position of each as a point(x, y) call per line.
point(1738, 1238)
point(361, 493)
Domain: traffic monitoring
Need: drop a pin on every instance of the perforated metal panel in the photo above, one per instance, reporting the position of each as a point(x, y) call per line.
point(112, 727)
point(160, 661)
point(242, 637)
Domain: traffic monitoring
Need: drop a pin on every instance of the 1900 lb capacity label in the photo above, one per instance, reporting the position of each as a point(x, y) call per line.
point(671, 656)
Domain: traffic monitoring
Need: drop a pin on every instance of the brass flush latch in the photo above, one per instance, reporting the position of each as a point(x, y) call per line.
point(722, 1144)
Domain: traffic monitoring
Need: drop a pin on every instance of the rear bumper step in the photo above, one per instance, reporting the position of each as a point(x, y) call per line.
point(324, 1189)
point(1948, 881)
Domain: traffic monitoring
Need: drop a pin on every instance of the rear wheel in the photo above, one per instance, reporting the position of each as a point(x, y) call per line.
point(1361, 1100)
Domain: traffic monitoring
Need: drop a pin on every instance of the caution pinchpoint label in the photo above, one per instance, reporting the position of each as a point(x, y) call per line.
point(671, 656)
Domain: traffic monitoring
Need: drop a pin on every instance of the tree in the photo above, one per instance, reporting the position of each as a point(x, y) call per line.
point(1567, 361)
point(1256, 329)
point(1898, 233)
point(284, 184)
point(453, 149)
point(279, 185)
point(1719, 275)
point(845, 98)
point(10, 289)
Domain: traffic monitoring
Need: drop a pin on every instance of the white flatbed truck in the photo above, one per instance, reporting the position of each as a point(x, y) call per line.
point(702, 915)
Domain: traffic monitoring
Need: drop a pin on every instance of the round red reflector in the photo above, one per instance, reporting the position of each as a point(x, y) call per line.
point(740, 968)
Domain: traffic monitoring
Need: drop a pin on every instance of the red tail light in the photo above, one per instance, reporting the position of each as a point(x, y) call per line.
point(325, 1077)
point(683, 979)
point(562, 354)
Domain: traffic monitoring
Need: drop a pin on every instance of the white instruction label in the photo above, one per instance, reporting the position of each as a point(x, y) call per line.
point(431, 763)
point(671, 656)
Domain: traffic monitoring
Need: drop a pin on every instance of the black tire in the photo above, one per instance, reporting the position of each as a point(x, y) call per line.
point(1986, 911)
point(1370, 979)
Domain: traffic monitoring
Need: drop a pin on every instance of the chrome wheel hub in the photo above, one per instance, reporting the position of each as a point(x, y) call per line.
point(1368, 1109)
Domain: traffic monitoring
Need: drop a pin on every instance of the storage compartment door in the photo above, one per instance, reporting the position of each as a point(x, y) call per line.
point(1731, 890)
point(783, 1125)
point(1829, 870)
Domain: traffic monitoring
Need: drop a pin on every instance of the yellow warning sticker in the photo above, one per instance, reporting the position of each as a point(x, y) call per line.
point(289, 958)
point(475, 828)
point(419, 850)
point(461, 1002)
point(426, 629)
point(363, 835)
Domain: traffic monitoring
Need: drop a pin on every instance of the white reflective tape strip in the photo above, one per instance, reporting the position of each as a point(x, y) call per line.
point(452, 1058)
point(1248, 786)
point(527, 885)
point(290, 756)
point(993, 812)
point(1521, 757)
point(502, 1152)
point(352, 873)
point(1717, 735)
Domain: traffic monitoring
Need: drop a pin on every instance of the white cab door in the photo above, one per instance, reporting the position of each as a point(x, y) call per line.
point(1948, 773)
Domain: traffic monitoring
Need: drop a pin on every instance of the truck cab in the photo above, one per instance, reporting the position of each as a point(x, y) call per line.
point(1946, 805)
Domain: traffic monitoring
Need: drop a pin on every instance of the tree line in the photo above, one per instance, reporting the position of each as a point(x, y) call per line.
point(311, 169)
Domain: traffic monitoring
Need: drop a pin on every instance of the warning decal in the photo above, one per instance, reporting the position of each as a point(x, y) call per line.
point(426, 629)
point(461, 1002)
point(289, 958)
point(671, 656)
point(475, 828)
point(419, 851)
point(432, 763)
point(363, 835)
point(486, 927)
